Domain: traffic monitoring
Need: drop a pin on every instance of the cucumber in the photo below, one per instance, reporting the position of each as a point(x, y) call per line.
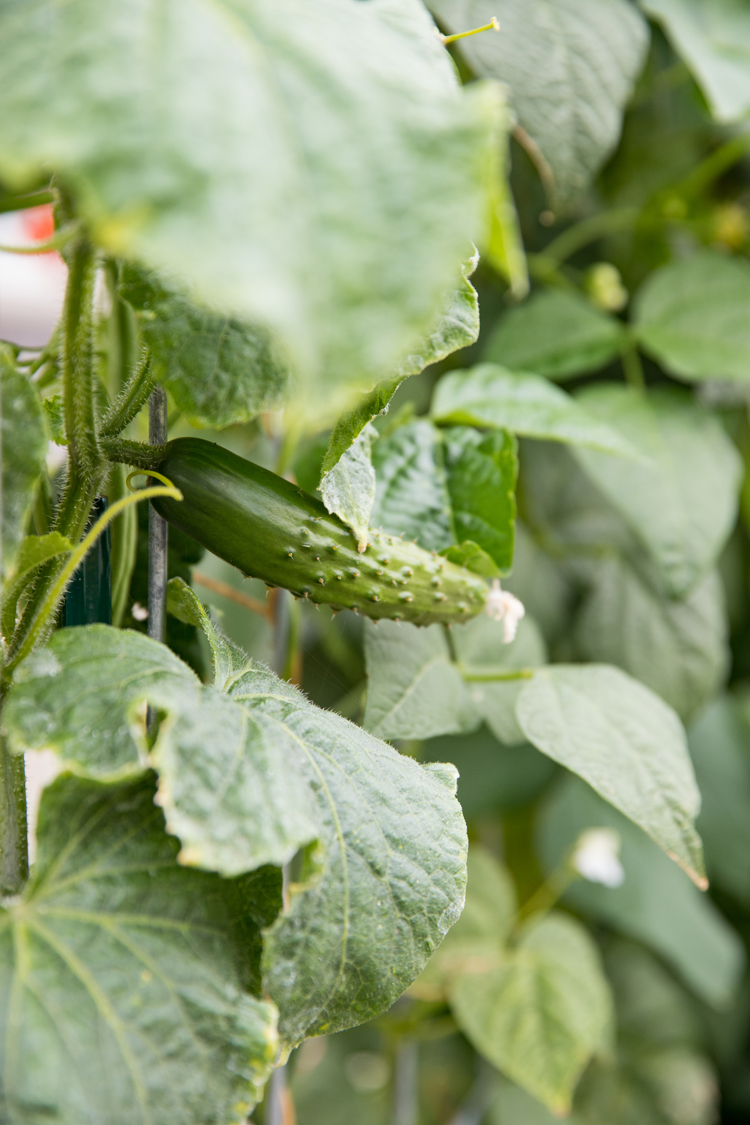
point(271, 529)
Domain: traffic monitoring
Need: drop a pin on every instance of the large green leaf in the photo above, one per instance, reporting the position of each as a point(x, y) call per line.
point(314, 168)
point(480, 933)
point(224, 781)
point(490, 395)
point(252, 775)
point(626, 743)
point(219, 370)
point(414, 689)
point(692, 316)
point(412, 497)
point(677, 647)
point(556, 333)
point(22, 444)
point(457, 327)
point(378, 893)
point(720, 748)
point(681, 498)
point(713, 37)
point(656, 903)
point(570, 66)
point(482, 471)
point(123, 975)
point(541, 1012)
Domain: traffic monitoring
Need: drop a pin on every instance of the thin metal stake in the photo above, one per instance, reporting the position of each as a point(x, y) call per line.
point(157, 535)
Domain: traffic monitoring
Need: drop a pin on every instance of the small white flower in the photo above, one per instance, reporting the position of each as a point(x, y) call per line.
point(597, 857)
point(504, 606)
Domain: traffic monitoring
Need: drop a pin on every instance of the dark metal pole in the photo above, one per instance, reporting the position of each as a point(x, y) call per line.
point(157, 528)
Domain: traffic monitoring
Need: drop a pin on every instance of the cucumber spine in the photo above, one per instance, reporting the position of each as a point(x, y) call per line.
point(273, 530)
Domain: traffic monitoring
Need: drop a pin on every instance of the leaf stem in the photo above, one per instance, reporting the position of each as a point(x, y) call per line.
point(59, 239)
point(633, 368)
point(498, 676)
point(14, 853)
point(588, 230)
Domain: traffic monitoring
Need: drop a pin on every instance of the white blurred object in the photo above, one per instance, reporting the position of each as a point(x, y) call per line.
point(42, 767)
point(504, 606)
point(32, 286)
point(597, 857)
point(56, 457)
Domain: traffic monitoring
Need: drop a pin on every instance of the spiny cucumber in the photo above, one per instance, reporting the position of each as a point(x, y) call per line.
point(270, 529)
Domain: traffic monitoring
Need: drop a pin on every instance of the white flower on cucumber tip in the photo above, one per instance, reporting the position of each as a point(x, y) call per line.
point(504, 606)
point(597, 857)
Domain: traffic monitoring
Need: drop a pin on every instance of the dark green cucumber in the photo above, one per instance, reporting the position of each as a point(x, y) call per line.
point(273, 530)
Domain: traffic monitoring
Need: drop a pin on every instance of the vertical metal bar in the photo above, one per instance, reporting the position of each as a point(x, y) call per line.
point(406, 1085)
point(157, 528)
point(275, 1114)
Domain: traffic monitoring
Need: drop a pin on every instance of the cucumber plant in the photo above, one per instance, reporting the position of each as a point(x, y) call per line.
point(271, 212)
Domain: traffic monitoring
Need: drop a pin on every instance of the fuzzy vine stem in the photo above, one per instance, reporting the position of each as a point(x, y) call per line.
point(130, 402)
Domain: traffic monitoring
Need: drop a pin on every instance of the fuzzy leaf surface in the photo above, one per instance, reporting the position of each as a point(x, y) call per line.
point(23, 447)
point(681, 498)
point(626, 743)
point(252, 776)
point(122, 974)
point(539, 1014)
point(279, 110)
point(555, 333)
point(691, 315)
point(526, 404)
point(224, 781)
point(570, 66)
point(219, 370)
point(374, 898)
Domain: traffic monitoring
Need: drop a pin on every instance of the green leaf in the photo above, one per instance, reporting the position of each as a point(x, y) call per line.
point(570, 66)
point(656, 904)
point(414, 690)
point(376, 896)
point(720, 748)
point(678, 648)
point(23, 445)
point(218, 369)
point(122, 975)
point(713, 37)
point(252, 776)
point(681, 498)
point(412, 498)
point(481, 653)
point(224, 784)
point(480, 933)
point(482, 471)
point(490, 395)
point(348, 489)
point(691, 315)
point(261, 181)
point(558, 334)
point(540, 1014)
point(626, 743)
point(458, 327)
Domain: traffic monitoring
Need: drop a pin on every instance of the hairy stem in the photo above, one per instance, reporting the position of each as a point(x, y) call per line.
point(77, 364)
point(134, 453)
point(131, 401)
